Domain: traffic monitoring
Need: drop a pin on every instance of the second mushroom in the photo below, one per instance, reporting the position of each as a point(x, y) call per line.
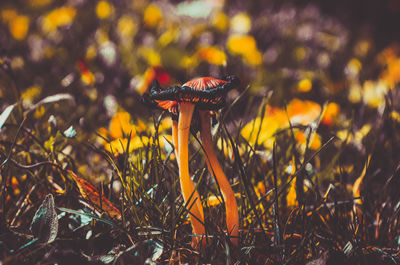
point(204, 94)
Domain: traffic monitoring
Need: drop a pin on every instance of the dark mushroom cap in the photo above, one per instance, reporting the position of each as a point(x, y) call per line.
point(204, 92)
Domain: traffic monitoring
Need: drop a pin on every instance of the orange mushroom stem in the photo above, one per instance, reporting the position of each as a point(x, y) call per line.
point(175, 138)
point(232, 214)
point(189, 193)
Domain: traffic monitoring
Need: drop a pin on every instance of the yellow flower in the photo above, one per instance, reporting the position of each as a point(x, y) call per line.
point(246, 46)
point(353, 67)
point(331, 112)
point(303, 112)
point(30, 94)
point(304, 85)
point(374, 93)
point(104, 9)
point(212, 55)
point(168, 36)
point(126, 27)
point(58, 17)
point(91, 52)
point(315, 140)
point(291, 197)
point(299, 112)
point(87, 78)
point(253, 57)
point(19, 26)
point(152, 16)
point(239, 44)
point(390, 59)
point(220, 21)
point(392, 73)
point(152, 57)
point(120, 125)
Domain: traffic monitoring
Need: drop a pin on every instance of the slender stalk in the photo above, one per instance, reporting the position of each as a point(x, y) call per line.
point(232, 215)
point(175, 139)
point(187, 185)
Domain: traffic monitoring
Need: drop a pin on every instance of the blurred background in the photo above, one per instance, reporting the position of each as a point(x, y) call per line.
point(106, 53)
point(111, 50)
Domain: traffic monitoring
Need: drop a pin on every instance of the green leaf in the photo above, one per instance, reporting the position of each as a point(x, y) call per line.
point(87, 215)
point(70, 132)
point(4, 116)
point(44, 224)
point(52, 99)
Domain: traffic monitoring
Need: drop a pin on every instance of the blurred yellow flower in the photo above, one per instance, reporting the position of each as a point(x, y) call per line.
point(241, 23)
point(39, 3)
point(291, 197)
point(391, 60)
point(355, 92)
point(212, 55)
point(298, 111)
point(246, 46)
point(104, 9)
point(87, 78)
point(315, 140)
point(30, 95)
point(374, 93)
point(392, 74)
point(220, 21)
point(121, 126)
point(189, 62)
point(303, 111)
point(19, 26)
point(253, 57)
point(91, 52)
point(168, 36)
point(152, 57)
point(274, 119)
point(331, 112)
point(126, 27)
point(304, 85)
point(152, 16)
point(119, 129)
point(353, 68)
point(58, 17)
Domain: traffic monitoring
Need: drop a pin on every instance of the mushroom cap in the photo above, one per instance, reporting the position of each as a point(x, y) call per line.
point(205, 92)
point(204, 83)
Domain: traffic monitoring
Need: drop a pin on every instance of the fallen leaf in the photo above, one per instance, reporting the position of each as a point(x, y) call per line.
point(90, 193)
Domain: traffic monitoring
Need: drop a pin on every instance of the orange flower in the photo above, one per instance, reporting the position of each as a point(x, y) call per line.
point(299, 112)
point(19, 27)
point(212, 55)
point(152, 16)
point(331, 112)
point(58, 17)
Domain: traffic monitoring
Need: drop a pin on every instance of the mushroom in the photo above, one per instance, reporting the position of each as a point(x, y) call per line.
point(232, 214)
point(205, 94)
